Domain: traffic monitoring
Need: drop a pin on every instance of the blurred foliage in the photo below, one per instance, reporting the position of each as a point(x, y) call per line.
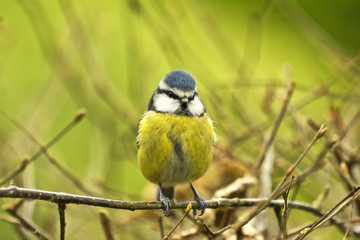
point(108, 56)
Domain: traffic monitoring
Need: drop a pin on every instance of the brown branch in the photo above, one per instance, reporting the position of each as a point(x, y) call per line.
point(285, 215)
point(42, 149)
point(65, 198)
point(187, 211)
point(80, 114)
point(17, 225)
point(327, 147)
point(23, 221)
point(23, 164)
point(330, 214)
point(120, 105)
point(316, 165)
point(280, 188)
point(106, 224)
point(268, 143)
point(340, 223)
point(61, 208)
point(350, 217)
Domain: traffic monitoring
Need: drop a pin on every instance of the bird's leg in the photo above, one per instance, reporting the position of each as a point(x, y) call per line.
point(165, 201)
point(200, 200)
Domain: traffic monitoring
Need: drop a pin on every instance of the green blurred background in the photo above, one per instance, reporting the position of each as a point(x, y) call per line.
point(108, 56)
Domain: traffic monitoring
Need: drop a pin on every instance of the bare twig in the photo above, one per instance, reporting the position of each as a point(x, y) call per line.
point(350, 217)
point(339, 207)
point(278, 121)
point(10, 220)
point(52, 160)
point(17, 225)
point(43, 149)
point(286, 207)
point(350, 124)
point(58, 197)
point(24, 222)
point(106, 224)
point(322, 197)
point(280, 187)
point(120, 105)
point(340, 223)
point(187, 211)
point(15, 172)
point(61, 208)
point(329, 145)
point(317, 163)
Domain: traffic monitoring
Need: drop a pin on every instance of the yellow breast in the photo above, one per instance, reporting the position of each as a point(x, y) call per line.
point(174, 149)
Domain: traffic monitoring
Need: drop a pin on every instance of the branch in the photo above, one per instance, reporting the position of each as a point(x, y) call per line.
point(330, 214)
point(61, 208)
point(43, 149)
point(106, 224)
point(280, 188)
point(187, 211)
point(65, 198)
point(268, 143)
point(24, 222)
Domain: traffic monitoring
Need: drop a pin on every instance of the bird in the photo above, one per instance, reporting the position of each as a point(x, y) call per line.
point(175, 138)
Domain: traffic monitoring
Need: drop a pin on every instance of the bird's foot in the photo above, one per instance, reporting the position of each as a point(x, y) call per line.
point(166, 205)
point(202, 205)
point(201, 201)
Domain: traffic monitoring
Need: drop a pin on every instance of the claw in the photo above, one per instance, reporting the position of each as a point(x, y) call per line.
point(166, 205)
point(202, 204)
point(165, 201)
point(201, 201)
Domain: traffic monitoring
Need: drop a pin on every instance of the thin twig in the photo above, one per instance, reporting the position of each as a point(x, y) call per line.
point(329, 145)
point(202, 224)
point(286, 207)
point(120, 105)
point(17, 225)
point(187, 211)
point(61, 208)
point(15, 172)
point(350, 217)
point(326, 217)
point(43, 149)
point(24, 222)
point(106, 224)
point(350, 124)
point(52, 160)
point(317, 163)
point(279, 188)
point(340, 223)
point(279, 220)
point(322, 197)
point(269, 141)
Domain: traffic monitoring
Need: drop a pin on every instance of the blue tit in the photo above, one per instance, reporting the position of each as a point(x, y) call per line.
point(175, 137)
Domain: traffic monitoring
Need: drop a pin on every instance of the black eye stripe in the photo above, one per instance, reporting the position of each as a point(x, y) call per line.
point(172, 95)
point(169, 93)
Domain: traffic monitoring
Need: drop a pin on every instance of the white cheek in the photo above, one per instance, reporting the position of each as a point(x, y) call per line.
point(196, 107)
point(163, 103)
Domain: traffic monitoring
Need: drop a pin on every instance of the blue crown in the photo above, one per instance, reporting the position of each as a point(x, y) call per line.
point(180, 79)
